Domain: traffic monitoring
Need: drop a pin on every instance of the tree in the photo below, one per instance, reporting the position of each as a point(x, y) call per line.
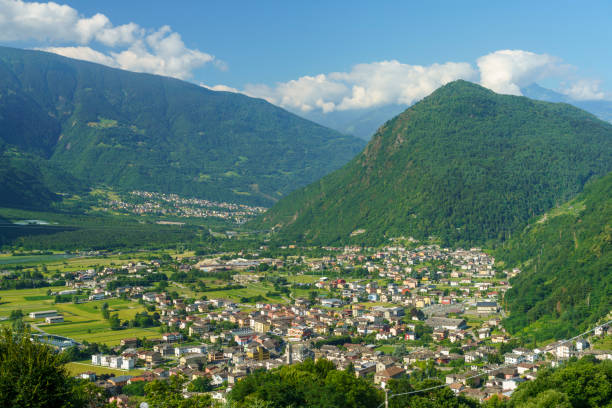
point(16, 314)
point(200, 384)
point(115, 322)
point(105, 311)
point(399, 351)
point(169, 394)
point(32, 375)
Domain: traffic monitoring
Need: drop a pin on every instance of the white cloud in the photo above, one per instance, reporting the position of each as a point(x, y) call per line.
point(585, 89)
point(506, 71)
point(365, 86)
point(387, 82)
point(83, 53)
point(160, 51)
point(222, 88)
point(392, 82)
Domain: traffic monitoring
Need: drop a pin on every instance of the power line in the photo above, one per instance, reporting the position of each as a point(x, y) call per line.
point(387, 397)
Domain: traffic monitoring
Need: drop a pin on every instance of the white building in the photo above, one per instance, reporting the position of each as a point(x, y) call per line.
point(96, 359)
point(115, 362)
point(54, 319)
point(512, 358)
point(582, 344)
point(127, 363)
point(564, 350)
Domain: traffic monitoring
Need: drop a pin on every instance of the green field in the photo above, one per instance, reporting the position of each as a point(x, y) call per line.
point(82, 321)
point(604, 343)
point(79, 367)
point(33, 259)
point(253, 289)
point(387, 348)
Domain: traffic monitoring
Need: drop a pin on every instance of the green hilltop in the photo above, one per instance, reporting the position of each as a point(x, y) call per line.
point(566, 258)
point(66, 125)
point(465, 165)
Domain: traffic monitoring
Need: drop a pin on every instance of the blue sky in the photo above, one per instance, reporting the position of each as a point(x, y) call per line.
point(305, 55)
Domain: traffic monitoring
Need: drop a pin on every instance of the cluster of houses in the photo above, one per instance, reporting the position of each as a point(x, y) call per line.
point(445, 300)
point(174, 205)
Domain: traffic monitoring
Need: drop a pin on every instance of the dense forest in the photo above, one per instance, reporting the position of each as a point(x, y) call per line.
point(465, 165)
point(566, 258)
point(65, 124)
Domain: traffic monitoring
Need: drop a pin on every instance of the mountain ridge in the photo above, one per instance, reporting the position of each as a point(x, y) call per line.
point(141, 131)
point(363, 123)
point(464, 164)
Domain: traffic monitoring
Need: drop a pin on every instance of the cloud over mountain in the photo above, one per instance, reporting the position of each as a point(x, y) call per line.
point(127, 46)
point(366, 85)
point(507, 71)
point(383, 83)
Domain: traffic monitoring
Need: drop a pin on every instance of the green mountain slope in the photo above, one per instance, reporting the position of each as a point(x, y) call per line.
point(566, 261)
point(464, 164)
point(140, 131)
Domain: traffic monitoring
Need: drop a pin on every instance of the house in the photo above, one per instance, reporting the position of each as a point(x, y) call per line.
point(115, 362)
point(512, 358)
point(129, 342)
point(120, 381)
point(219, 377)
point(54, 319)
point(383, 377)
point(564, 350)
point(88, 375)
point(105, 361)
point(582, 344)
point(484, 332)
point(193, 360)
point(127, 363)
point(96, 359)
point(446, 323)
point(261, 326)
point(410, 336)
point(332, 302)
point(299, 332)
point(199, 328)
point(258, 353)
point(457, 387)
point(243, 336)
point(599, 330)
point(365, 368)
point(171, 337)
point(487, 307)
point(43, 314)
point(512, 383)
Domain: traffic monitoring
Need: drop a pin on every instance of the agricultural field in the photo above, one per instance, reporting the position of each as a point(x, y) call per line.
point(253, 289)
point(82, 321)
point(78, 367)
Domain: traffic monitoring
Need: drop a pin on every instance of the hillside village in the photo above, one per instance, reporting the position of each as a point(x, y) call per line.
point(381, 313)
point(173, 205)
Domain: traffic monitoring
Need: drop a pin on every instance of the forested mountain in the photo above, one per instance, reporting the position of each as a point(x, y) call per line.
point(138, 131)
point(363, 123)
point(464, 164)
point(566, 261)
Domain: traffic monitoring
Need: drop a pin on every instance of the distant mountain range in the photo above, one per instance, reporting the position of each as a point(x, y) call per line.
point(363, 123)
point(67, 125)
point(465, 165)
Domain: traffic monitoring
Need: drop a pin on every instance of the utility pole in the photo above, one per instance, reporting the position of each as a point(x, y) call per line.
point(386, 398)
